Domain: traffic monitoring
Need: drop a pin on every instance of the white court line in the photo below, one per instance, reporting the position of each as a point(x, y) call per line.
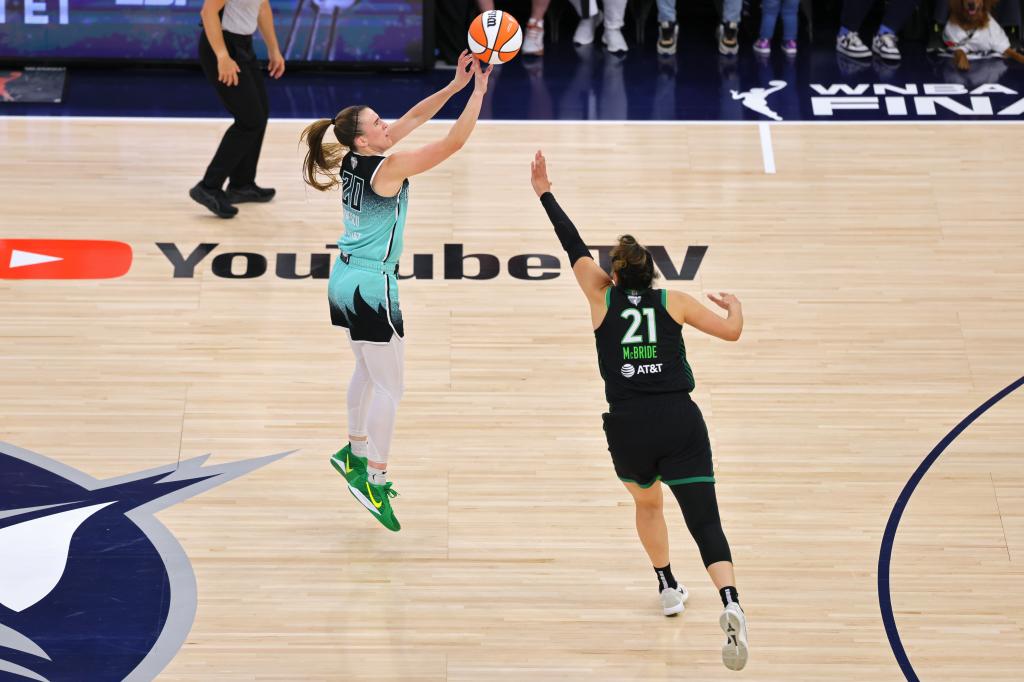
point(449, 121)
point(766, 148)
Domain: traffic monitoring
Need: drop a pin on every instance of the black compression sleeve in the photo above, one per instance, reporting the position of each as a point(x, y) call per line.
point(564, 229)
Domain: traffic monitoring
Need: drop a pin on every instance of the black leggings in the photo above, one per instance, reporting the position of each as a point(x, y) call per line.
point(896, 13)
point(700, 510)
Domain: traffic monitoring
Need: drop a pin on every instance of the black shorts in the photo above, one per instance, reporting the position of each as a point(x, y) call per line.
point(659, 438)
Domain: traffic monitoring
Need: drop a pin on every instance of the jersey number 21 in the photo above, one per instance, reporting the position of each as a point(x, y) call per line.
point(633, 315)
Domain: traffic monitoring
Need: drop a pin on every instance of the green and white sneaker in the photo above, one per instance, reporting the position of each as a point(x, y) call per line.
point(347, 464)
point(376, 499)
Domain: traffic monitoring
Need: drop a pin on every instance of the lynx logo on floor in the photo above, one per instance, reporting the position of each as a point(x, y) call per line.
point(92, 586)
point(926, 100)
point(63, 259)
point(456, 263)
point(756, 99)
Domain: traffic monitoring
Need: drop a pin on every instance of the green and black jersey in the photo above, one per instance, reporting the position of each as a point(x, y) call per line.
point(640, 348)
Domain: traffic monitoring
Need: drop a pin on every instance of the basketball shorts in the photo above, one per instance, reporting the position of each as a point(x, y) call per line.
point(365, 302)
point(661, 437)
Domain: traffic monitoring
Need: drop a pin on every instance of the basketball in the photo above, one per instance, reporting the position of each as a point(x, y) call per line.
point(495, 37)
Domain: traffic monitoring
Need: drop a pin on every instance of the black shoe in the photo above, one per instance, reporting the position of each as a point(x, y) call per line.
point(213, 199)
point(1016, 42)
point(240, 195)
point(935, 42)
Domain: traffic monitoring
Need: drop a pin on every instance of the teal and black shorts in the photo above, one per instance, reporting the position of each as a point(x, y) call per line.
point(363, 295)
point(659, 437)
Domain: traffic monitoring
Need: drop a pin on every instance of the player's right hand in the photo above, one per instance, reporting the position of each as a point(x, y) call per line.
point(463, 72)
point(227, 70)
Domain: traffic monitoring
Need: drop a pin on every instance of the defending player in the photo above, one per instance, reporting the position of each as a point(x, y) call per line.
point(655, 431)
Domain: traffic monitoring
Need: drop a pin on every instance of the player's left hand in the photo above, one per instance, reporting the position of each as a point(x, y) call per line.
point(276, 65)
point(539, 174)
point(463, 74)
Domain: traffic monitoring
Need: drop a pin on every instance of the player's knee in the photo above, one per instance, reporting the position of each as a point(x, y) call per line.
point(711, 542)
point(648, 505)
point(393, 390)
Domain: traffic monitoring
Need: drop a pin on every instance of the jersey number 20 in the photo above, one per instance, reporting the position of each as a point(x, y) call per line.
point(351, 190)
point(633, 315)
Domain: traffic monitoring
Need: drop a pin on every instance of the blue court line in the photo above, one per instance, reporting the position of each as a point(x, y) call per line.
point(885, 555)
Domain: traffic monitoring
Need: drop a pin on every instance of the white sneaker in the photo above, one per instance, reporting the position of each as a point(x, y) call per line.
point(734, 625)
point(614, 41)
point(673, 600)
point(584, 34)
point(885, 46)
point(851, 46)
point(534, 42)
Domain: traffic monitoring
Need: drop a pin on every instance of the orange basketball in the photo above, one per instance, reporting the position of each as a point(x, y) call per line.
point(495, 37)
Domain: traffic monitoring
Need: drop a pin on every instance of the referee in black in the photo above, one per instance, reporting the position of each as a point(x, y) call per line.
point(229, 62)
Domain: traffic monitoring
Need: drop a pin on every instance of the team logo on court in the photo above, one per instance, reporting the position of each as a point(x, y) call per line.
point(756, 99)
point(628, 370)
point(92, 585)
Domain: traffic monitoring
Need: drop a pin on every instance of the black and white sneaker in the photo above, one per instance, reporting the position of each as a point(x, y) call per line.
point(852, 46)
point(728, 37)
point(213, 199)
point(668, 35)
point(253, 192)
point(734, 624)
point(885, 45)
point(673, 600)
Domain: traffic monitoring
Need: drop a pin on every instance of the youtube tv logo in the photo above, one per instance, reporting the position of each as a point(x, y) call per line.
point(63, 259)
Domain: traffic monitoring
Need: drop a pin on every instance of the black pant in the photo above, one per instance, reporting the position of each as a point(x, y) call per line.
point(897, 12)
point(239, 150)
point(451, 22)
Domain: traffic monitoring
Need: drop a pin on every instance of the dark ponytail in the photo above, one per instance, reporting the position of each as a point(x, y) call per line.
point(633, 264)
point(322, 158)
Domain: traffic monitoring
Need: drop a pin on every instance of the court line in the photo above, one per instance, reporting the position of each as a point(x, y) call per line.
point(885, 554)
point(767, 153)
point(487, 121)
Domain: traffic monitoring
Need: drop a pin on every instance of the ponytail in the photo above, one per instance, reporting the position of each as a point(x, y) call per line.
point(632, 263)
point(323, 158)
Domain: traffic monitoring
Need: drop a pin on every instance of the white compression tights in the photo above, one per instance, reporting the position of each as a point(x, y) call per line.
point(374, 393)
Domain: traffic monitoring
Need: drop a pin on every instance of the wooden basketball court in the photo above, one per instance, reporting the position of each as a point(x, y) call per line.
point(882, 275)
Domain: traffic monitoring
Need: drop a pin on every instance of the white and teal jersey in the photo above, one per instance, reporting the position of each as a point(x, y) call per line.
point(363, 289)
point(374, 225)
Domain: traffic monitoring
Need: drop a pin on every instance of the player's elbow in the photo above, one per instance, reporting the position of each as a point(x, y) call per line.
point(453, 144)
point(733, 334)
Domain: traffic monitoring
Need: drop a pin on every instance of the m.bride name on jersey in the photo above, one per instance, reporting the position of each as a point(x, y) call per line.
point(926, 99)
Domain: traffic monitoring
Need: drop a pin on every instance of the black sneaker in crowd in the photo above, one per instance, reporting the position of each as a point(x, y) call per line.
point(240, 195)
point(935, 42)
point(668, 34)
point(213, 199)
point(1016, 42)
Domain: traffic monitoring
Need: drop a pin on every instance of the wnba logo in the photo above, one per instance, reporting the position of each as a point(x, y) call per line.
point(628, 370)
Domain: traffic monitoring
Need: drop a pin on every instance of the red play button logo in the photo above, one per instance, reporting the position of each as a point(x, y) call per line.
point(63, 259)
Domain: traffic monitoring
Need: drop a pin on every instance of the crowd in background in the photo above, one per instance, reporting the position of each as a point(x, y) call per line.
point(604, 20)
